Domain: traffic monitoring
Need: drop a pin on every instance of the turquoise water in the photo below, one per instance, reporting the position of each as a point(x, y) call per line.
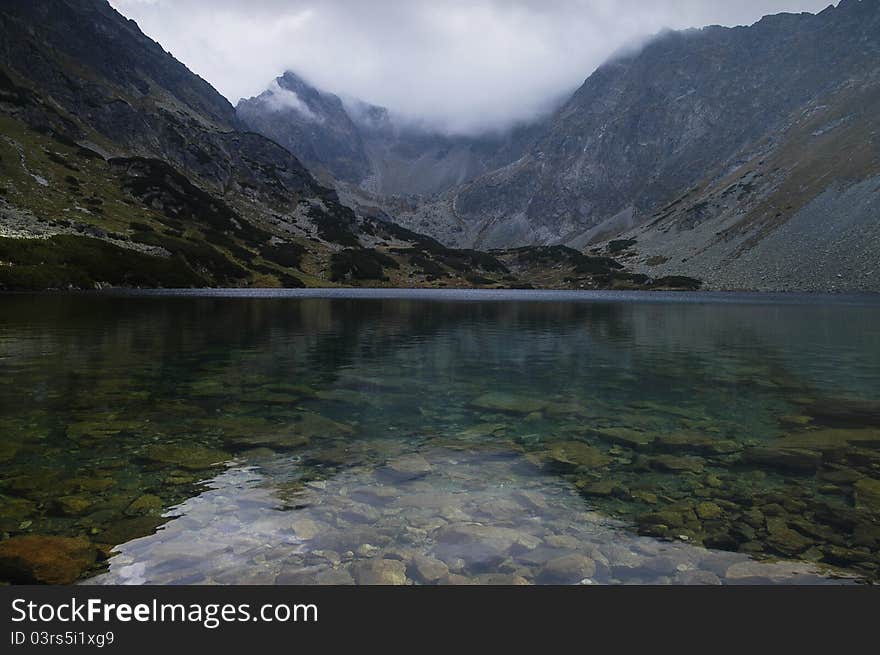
point(442, 437)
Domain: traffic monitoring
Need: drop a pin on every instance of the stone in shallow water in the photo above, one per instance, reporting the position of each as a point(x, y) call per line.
point(407, 467)
point(708, 511)
point(676, 463)
point(781, 538)
point(481, 544)
point(45, 559)
point(697, 443)
point(427, 569)
point(573, 454)
point(634, 439)
point(753, 572)
point(306, 528)
point(567, 569)
point(74, 505)
point(146, 504)
point(508, 403)
point(379, 572)
point(601, 488)
point(193, 458)
point(697, 578)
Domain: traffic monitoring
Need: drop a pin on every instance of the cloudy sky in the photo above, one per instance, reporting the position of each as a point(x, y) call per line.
point(458, 65)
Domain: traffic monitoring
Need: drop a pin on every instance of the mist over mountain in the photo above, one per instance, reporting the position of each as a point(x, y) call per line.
point(456, 67)
point(367, 146)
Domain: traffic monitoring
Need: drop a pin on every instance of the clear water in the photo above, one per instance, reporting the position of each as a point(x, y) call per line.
point(445, 437)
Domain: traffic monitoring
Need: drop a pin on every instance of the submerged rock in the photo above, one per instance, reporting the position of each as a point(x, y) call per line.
point(508, 403)
point(601, 488)
point(676, 463)
point(783, 539)
point(43, 559)
point(697, 443)
point(574, 454)
point(481, 544)
point(567, 569)
point(76, 505)
point(427, 570)
point(634, 439)
point(407, 467)
point(247, 432)
point(379, 572)
point(753, 572)
point(708, 511)
point(146, 504)
point(193, 458)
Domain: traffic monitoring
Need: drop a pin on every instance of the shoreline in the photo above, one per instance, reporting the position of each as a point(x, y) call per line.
point(477, 295)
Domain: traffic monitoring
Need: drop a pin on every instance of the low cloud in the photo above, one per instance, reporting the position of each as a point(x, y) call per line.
point(460, 66)
point(279, 99)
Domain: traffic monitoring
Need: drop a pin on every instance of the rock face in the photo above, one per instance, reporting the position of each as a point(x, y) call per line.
point(379, 572)
point(311, 123)
point(40, 559)
point(645, 128)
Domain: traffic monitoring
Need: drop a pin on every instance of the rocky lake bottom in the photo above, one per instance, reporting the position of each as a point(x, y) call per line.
point(431, 438)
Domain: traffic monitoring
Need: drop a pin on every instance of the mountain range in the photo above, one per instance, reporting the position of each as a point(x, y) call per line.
point(746, 157)
point(727, 158)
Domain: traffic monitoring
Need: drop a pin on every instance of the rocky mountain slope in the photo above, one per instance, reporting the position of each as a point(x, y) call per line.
point(647, 127)
point(801, 212)
point(119, 166)
point(745, 157)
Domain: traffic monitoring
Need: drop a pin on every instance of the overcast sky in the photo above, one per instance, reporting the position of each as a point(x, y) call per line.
point(459, 65)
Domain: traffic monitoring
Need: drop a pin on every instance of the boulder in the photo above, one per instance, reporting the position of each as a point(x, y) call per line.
point(427, 570)
point(379, 572)
point(567, 569)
